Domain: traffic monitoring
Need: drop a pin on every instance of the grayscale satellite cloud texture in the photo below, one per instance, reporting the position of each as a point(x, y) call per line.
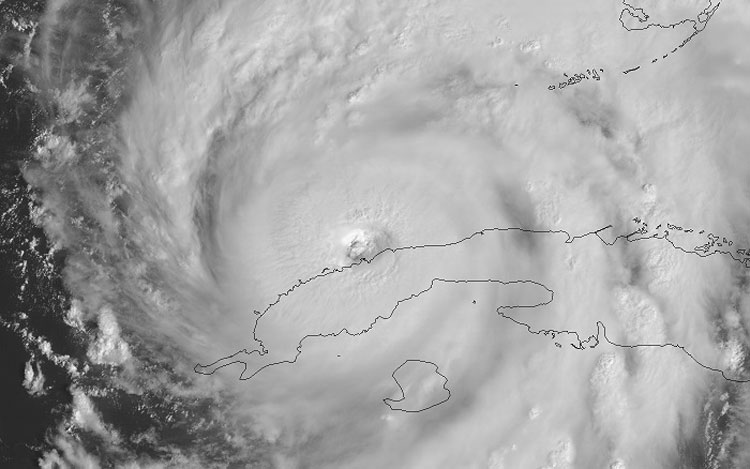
point(375, 234)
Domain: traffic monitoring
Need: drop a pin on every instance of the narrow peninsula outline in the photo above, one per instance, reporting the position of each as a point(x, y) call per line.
point(716, 245)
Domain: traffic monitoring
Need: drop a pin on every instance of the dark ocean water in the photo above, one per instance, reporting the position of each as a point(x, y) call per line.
point(151, 424)
point(25, 419)
point(32, 295)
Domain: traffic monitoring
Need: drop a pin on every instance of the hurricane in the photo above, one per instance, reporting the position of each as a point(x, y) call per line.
point(375, 234)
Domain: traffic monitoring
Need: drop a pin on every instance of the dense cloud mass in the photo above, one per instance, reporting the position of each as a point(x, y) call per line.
point(387, 234)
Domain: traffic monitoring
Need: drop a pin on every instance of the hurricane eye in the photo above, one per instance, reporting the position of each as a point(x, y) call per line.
point(360, 244)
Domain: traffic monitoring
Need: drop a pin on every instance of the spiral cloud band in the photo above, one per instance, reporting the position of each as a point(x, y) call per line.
point(377, 234)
